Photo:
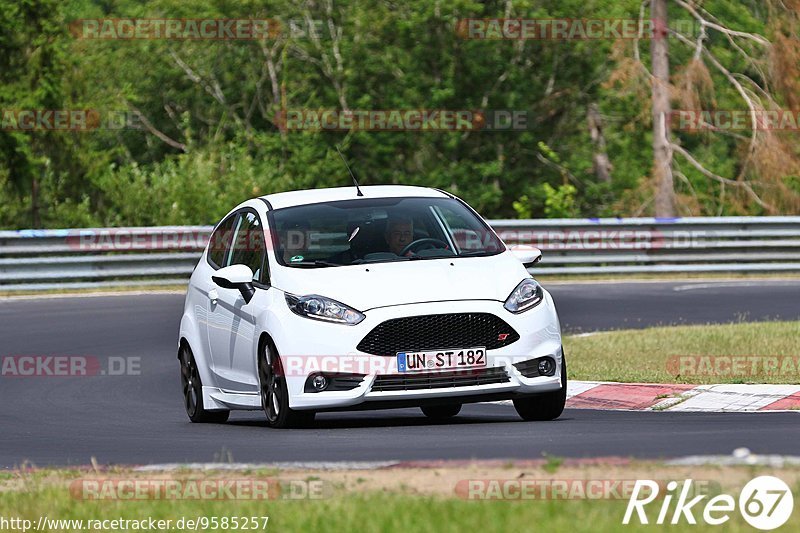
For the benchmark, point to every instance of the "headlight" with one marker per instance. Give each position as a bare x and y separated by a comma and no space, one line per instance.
526,295
321,308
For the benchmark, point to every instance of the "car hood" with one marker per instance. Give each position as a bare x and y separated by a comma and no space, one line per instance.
368,286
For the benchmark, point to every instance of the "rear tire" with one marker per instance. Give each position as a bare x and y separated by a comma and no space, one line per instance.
441,412
548,406
275,393
193,392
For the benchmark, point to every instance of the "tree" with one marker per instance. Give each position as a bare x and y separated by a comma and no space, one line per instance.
754,79
662,150
32,60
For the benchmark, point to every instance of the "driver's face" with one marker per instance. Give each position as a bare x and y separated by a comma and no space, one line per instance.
399,236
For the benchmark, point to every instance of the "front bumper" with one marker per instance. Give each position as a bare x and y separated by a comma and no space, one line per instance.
319,345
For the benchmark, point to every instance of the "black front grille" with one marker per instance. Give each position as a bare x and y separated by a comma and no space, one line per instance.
345,382
438,332
440,380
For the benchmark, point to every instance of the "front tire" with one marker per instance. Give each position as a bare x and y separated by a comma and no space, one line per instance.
441,412
275,393
193,392
548,406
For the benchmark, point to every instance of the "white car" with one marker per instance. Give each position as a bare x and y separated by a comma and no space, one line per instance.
378,297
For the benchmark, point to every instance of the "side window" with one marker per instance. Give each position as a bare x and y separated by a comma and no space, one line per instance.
248,245
220,242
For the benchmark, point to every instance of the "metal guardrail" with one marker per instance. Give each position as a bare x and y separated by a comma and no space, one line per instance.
77,258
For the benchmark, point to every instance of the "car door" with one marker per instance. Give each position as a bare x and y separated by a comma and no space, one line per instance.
231,331
209,320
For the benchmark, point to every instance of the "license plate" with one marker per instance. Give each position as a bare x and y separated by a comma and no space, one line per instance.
441,360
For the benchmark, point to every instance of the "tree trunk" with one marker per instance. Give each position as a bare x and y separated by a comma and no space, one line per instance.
35,218
600,162
662,156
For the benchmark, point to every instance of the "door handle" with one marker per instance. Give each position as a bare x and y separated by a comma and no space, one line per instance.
213,295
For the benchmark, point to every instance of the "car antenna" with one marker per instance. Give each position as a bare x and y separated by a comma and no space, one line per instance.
355,181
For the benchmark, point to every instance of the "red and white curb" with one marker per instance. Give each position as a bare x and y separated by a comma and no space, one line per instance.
675,397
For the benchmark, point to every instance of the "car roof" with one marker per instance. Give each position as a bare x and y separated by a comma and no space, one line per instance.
313,196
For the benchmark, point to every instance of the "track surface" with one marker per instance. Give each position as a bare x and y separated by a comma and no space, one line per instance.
140,419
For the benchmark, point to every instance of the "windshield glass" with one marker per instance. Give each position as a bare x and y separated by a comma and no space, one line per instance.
352,232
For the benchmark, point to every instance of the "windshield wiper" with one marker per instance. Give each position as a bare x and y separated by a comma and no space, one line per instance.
317,263
395,259
423,257
475,253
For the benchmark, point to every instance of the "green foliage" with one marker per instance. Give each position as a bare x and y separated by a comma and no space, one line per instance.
560,202
523,207
217,102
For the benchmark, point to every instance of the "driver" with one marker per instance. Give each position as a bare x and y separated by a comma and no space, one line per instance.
399,233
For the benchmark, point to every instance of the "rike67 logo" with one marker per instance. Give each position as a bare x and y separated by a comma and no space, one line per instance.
765,503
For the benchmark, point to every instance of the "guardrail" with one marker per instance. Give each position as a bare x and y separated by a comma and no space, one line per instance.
77,258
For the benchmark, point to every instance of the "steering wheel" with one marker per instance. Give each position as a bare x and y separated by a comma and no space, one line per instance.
412,246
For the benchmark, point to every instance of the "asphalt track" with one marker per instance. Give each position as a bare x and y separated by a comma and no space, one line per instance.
139,419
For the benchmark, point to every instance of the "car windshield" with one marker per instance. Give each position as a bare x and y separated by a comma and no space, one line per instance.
379,230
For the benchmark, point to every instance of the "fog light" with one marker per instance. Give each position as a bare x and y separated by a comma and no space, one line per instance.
547,366
319,382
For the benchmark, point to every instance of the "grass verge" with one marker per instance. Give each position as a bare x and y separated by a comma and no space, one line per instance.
758,352
110,290
386,500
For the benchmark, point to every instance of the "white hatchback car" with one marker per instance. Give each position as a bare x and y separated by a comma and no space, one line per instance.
343,299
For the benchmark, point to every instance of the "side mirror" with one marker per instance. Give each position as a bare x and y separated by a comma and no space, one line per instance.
528,255
236,277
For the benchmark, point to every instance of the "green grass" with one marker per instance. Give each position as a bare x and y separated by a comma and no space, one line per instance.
68,291
651,355
369,512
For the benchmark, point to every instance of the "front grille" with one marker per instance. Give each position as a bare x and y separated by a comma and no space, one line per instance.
345,382
440,380
438,332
